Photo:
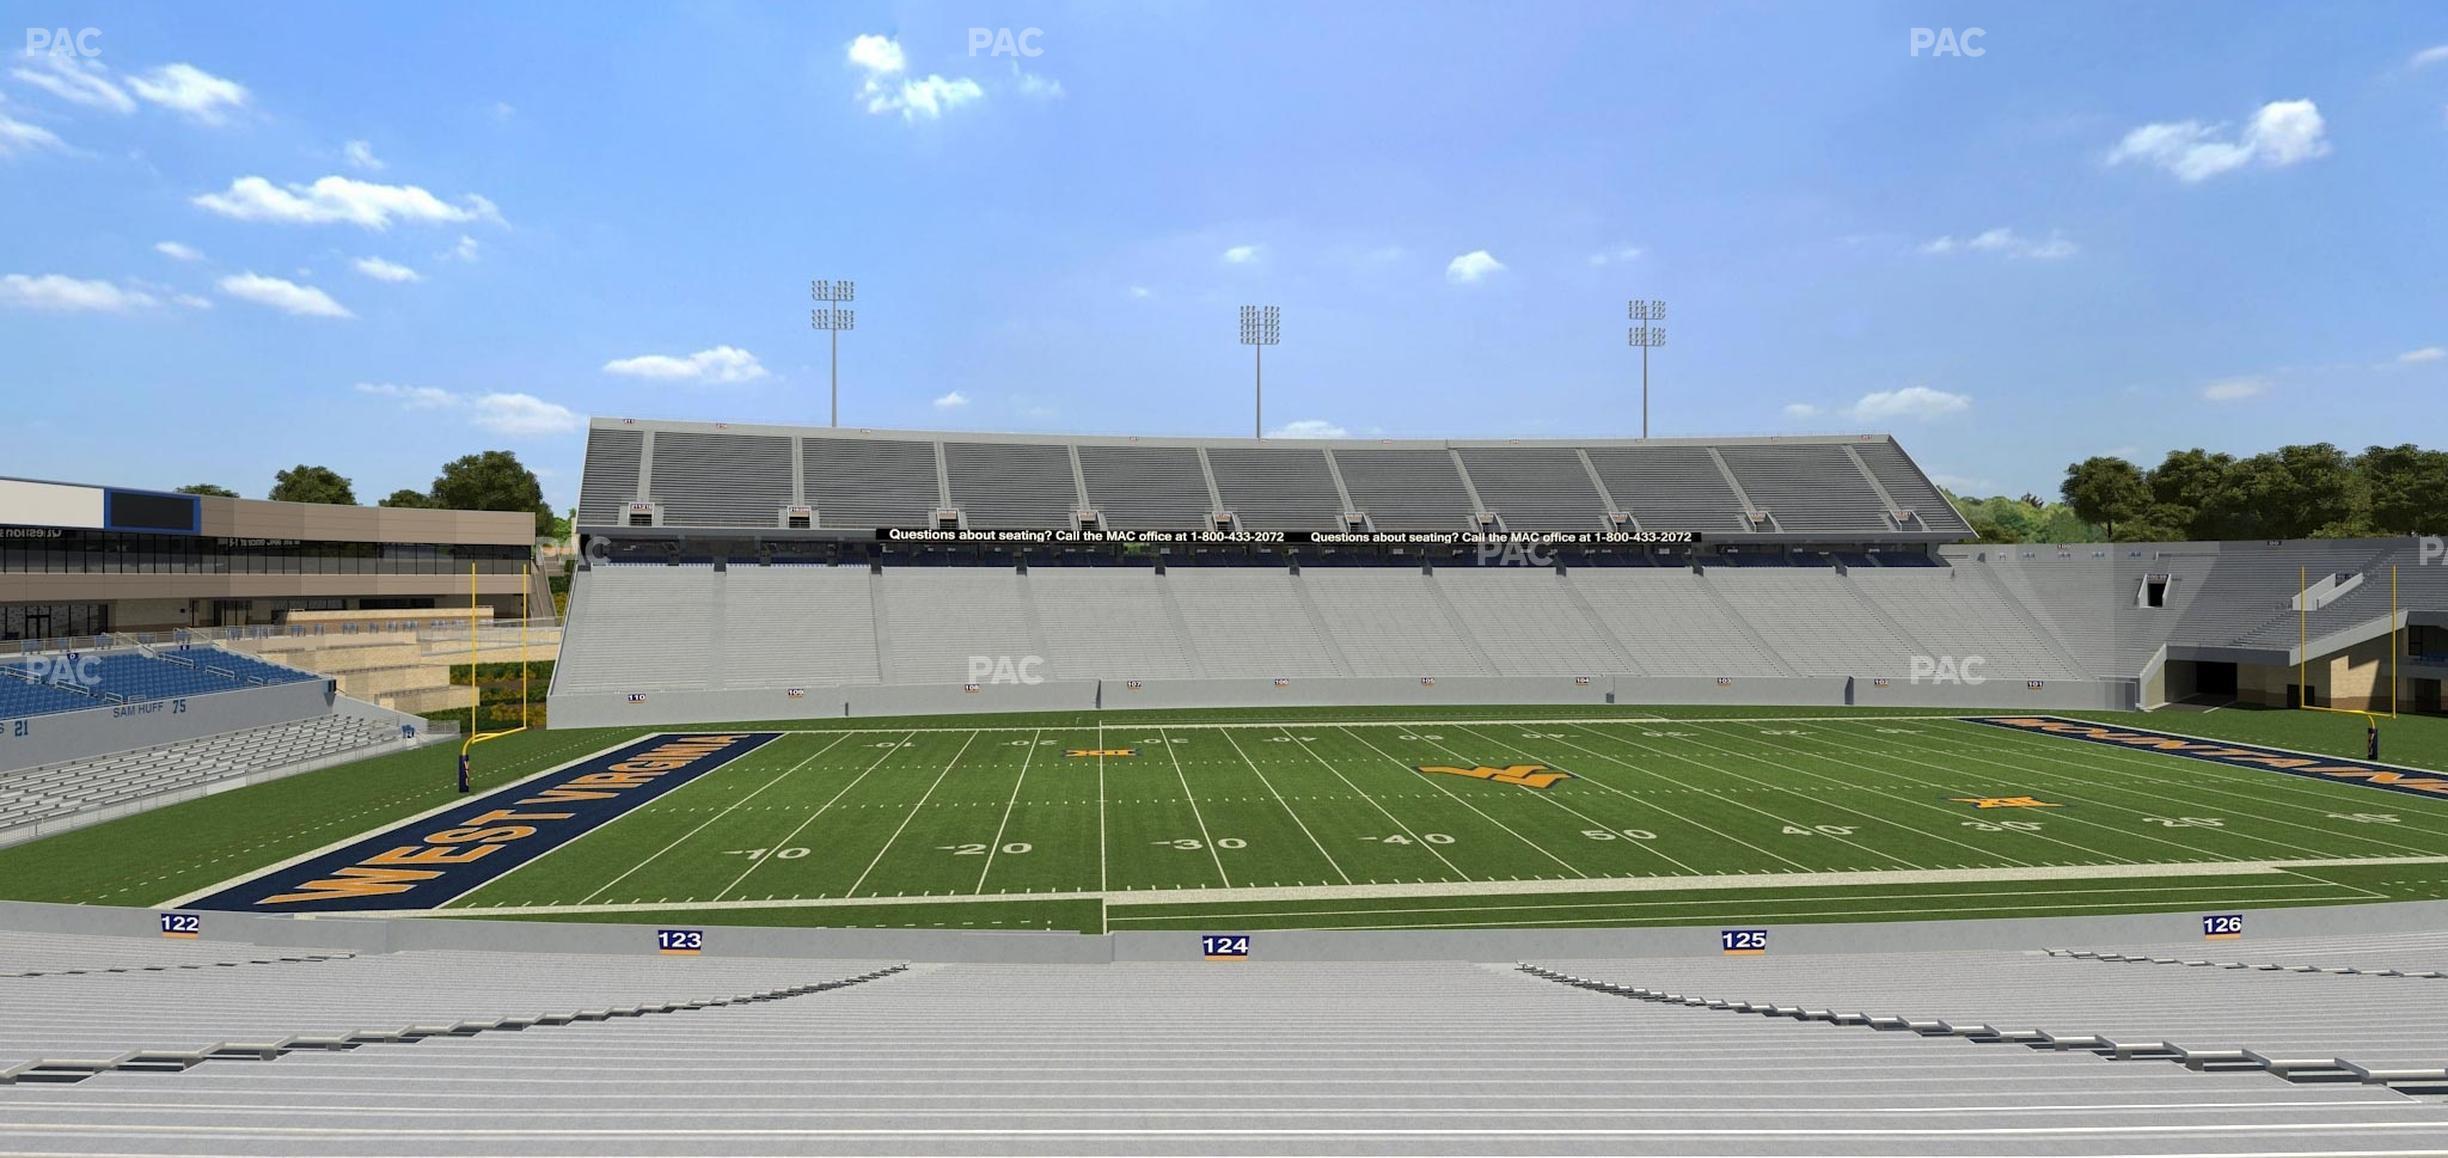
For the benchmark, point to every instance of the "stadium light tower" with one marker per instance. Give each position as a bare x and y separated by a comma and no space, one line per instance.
832,318
1647,337
1261,327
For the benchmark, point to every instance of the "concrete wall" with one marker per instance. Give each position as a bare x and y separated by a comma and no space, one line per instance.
2004,694
126,727
388,935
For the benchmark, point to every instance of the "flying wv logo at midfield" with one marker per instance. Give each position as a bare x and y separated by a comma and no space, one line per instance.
1526,775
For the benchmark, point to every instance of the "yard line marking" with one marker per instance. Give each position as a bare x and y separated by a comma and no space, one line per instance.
913,815
889,753
1952,814
1195,814
1373,802
1542,849
1645,803
1647,846
1907,829
1287,806
1613,759
997,846
717,816
2103,804
2264,788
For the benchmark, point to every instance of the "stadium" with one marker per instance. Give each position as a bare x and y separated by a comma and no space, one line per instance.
1984,700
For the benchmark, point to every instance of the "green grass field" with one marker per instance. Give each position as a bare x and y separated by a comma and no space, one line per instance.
1323,819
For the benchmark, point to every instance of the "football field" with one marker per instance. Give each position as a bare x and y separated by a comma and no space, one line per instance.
1468,823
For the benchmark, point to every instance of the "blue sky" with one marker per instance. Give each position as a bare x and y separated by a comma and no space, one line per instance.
378,237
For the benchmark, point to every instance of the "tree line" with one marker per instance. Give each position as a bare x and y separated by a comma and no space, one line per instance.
2305,491
493,480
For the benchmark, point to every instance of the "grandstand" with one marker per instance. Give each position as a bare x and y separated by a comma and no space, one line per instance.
1421,1055
882,566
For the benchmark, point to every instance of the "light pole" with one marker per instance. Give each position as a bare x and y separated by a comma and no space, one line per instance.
1648,338
1261,327
833,319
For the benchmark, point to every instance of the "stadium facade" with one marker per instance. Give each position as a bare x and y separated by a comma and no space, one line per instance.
80,561
759,572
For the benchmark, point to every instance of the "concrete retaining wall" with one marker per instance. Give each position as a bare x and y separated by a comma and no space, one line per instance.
60,736
367,935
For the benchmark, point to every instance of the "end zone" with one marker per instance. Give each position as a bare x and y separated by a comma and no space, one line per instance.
2390,777
426,861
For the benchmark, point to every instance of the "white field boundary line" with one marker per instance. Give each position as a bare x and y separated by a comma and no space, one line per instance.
399,821
1129,898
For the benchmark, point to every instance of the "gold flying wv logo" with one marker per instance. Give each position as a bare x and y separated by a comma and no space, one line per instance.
1526,775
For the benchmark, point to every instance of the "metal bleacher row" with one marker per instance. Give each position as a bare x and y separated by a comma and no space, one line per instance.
637,627
709,475
1126,1058
51,791
70,682
2371,1016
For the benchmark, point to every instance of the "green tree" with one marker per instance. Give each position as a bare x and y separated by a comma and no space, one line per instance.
492,481
212,489
406,497
2106,490
2206,485
312,484
2294,492
2405,489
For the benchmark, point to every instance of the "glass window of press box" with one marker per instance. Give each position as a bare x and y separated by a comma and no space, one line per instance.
56,552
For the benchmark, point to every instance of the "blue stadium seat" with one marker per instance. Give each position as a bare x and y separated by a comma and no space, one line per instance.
33,688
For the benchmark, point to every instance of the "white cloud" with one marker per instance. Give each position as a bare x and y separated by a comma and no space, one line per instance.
1616,256
1040,87
1309,428
380,270
877,54
16,137
341,199
285,296
1963,484
1800,410
412,397
2418,357
1471,267
190,91
2282,133
360,154
510,414
63,294
2429,56
192,301
2236,389
720,364
177,251
465,250
77,81
2007,242
1241,255
1142,292
886,90
522,414
1914,402
953,401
